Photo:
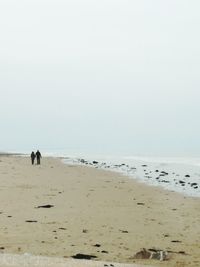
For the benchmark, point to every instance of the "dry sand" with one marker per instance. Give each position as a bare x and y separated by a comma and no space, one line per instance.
92,207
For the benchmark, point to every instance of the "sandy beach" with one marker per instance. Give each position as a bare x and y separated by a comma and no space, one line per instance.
95,212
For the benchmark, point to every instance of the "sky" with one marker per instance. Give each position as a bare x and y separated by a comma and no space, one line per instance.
104,77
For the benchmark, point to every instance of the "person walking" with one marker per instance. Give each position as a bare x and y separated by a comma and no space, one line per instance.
38,157
32,157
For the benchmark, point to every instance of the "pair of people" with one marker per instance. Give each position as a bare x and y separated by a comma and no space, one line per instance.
36,155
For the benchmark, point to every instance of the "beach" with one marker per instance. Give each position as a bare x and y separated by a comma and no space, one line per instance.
60,210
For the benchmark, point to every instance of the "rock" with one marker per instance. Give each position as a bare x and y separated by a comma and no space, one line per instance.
178,252
97,245
124,231
45,206
194,184
84,256
104,251
164,181
187,175
31,221
95,162
182,252
165,173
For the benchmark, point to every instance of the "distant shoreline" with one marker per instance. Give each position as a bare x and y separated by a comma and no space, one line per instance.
181,175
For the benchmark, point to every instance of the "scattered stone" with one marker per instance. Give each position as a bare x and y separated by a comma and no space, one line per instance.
45,206
97,245
31,221
177,252
61,228
176,241
83,161
164,181
182,252
164,173
124,231
187,175
85,231
95,162
104,251
140,204
84,256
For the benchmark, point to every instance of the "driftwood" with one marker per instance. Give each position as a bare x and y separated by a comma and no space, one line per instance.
151,254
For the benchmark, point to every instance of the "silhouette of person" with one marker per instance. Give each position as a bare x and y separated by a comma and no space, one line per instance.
38,157
32,157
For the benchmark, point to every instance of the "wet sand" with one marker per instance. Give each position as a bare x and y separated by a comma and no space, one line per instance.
92,212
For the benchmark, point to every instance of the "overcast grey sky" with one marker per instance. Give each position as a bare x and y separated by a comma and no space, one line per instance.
105,76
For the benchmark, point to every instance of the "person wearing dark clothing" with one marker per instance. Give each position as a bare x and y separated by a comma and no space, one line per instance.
38,157
32,157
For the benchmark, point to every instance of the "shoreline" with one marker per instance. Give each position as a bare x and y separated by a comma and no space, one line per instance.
179,178
89,207
181,175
